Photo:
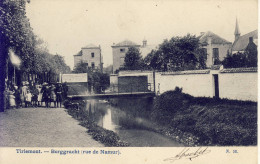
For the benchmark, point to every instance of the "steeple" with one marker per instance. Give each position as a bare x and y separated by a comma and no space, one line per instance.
237,31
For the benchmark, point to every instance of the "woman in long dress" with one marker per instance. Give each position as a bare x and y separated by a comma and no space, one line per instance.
11,99
39,88
45,94
23,92
53,95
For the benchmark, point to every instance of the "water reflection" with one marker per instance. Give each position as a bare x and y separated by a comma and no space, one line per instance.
131,128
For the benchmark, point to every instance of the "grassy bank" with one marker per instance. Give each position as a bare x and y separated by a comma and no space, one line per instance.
77,110
206,121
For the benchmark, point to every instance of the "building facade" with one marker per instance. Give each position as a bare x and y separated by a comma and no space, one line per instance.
215,46
91,55
119,50
242,42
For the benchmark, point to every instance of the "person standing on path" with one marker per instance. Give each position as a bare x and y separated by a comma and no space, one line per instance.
17,97
53,95
39,98
23,92
58,92
28,99
45,94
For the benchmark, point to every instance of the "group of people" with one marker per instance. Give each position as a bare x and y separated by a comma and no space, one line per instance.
34,95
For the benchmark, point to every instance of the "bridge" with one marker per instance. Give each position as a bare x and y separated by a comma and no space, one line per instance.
111,95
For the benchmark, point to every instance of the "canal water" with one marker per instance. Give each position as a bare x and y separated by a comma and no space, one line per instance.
128,119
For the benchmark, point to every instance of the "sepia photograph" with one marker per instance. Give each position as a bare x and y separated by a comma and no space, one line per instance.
153,81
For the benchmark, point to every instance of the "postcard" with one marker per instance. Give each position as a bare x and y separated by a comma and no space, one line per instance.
151,81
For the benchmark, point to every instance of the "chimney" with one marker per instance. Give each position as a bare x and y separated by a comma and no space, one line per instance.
144,43
250,39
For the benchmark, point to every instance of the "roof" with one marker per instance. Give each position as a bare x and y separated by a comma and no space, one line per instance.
91,46
215,38
125,43
79,53
147,49
241,43
239,70
187,72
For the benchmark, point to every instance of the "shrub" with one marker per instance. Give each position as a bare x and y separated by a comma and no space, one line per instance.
169,103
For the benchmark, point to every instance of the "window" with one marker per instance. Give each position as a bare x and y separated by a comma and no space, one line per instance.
93,65
92,54
122,50
215,56
205,52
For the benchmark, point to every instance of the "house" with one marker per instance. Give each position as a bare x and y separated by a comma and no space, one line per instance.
215,46
242,42
90,54
119,50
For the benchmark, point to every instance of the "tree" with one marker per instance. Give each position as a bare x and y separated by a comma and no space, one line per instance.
178,53
82,68
239,60
100,81
108,69
15,33
153,61
236,60
133,59
251,54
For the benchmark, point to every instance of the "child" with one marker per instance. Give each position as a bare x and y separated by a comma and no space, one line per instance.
11,99
28,98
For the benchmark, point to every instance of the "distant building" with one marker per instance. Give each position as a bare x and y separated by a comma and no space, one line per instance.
242,42
215,46
145,49
91,55
119,50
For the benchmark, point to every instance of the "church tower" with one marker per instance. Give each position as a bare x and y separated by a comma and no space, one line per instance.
237,31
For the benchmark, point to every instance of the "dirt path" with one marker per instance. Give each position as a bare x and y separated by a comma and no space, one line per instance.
42,127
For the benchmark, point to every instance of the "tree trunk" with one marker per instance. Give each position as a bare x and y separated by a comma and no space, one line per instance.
3,66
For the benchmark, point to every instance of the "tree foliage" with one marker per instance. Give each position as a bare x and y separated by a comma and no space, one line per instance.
82,67
16,32
100,81
239,59
133,59
176,54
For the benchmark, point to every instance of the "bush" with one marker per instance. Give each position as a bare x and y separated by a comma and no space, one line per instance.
210,121
169,103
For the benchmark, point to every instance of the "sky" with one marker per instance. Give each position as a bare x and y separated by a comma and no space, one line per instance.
68,25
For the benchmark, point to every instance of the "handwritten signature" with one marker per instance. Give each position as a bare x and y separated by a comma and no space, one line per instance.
187,153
